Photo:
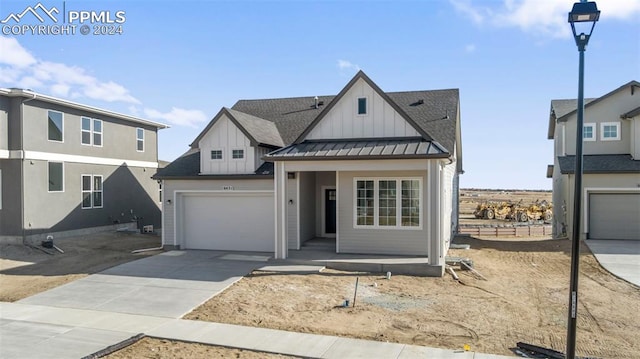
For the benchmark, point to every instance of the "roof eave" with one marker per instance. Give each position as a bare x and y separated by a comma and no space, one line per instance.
351,158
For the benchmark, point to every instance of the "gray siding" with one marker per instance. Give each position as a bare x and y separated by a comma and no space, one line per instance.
307,206
171,186
128,193
11,212
118,136
4,123
378,241
15,125
292,213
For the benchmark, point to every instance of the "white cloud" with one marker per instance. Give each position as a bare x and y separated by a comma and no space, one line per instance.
548,17
21,69
12,54
470,48
347,65
177,116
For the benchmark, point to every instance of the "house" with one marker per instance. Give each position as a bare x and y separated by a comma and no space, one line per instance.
611,164
377,171
68,168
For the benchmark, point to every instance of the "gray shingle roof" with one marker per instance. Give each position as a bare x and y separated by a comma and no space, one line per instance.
562,108
187,166
600,164
293,115
360,149
262,131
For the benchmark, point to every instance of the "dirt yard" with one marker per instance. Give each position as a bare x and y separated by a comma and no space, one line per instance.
25,271
171,349
524,299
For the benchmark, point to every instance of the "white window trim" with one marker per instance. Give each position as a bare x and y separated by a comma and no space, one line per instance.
366,109
376,205
48,191
62,116
216,159
91,190
243,158
593,131
616,124
92,131
140,139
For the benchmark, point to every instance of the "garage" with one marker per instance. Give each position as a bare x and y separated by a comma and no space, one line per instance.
614,216
238,221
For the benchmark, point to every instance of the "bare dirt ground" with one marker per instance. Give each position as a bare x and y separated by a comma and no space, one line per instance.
471,198
171,349
25,271
524,299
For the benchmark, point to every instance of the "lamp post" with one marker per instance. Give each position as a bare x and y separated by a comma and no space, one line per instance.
582,15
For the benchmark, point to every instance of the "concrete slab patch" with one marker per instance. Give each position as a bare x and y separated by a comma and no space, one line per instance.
181,329
292,269
243,257
306,345
80,294
356,348
412,351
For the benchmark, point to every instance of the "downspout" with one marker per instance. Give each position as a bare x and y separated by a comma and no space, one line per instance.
22,158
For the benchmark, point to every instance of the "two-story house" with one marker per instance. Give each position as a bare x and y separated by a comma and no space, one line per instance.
68,168
611,164
376,171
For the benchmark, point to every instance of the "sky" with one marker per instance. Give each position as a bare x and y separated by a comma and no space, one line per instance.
180,62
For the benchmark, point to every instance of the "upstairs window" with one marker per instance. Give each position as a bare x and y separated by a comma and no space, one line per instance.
56,126
237,154
91,131
589,132
610,131
140,139
362,106
216,154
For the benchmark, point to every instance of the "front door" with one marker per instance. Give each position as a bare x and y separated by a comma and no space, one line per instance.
330,211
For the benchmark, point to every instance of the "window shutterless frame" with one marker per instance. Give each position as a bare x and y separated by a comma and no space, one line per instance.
55,126
362,106
237,154
90,131
216,155
589,132
610,131
140,139
394,203
55,176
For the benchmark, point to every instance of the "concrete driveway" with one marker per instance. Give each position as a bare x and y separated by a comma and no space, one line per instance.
620,257
169,285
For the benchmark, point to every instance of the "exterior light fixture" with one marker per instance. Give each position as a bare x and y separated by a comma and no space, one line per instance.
583,18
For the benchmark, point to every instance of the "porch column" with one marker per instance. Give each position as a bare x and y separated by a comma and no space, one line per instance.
280,195
435,213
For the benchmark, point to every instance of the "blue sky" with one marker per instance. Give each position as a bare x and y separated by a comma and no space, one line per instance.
180,62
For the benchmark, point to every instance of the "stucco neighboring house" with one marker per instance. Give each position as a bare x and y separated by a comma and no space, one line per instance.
611,164
68,168
376,171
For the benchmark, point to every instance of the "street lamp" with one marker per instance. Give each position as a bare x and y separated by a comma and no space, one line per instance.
583,16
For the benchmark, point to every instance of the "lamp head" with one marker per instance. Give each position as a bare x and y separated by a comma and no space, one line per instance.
583,18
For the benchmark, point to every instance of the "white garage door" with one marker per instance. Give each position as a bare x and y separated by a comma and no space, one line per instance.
236,222
614,216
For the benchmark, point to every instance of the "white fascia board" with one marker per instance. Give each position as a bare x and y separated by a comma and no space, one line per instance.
78,106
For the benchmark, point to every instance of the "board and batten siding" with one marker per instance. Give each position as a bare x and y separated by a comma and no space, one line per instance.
224,135
379,240
448,199
169,194
381,119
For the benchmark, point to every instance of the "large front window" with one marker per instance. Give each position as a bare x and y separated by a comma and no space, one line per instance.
388,202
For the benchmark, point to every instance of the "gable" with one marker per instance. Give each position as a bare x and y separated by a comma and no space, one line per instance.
225,136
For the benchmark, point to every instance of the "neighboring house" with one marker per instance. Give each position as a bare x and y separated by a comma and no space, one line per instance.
376,171
68,168
611,164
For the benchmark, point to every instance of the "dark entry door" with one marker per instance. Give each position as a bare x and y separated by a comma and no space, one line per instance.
330,211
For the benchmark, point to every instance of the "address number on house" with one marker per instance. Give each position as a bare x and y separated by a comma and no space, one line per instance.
227,188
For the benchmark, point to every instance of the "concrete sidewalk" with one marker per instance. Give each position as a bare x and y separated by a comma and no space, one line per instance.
35,331
620,257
